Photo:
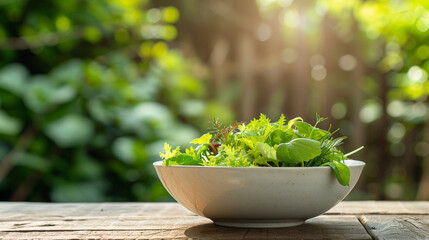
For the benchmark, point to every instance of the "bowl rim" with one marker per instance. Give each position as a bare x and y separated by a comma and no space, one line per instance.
349,163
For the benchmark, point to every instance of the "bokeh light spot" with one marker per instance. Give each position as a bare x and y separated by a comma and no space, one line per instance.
321,8
396,108
146,50
396,132
347,62
170,14
370,112
318,72
418,110
92,34
153,15
159,49
422,24
394,190
291,19
263,32
169,32
62,23
339,110
416,74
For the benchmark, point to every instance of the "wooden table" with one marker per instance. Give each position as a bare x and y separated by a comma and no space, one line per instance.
348,220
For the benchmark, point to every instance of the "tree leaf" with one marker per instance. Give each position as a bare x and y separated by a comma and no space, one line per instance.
147,120
129,150
341,171
69,72
33,161
298,150
9,125
39,94
71,130
13,78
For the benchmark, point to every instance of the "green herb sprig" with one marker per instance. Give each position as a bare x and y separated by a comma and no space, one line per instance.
264,144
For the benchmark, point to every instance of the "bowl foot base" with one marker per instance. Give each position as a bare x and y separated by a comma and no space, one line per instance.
259,223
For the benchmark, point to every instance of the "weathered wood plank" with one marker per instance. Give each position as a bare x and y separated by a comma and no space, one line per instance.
111,223
27,211
23,211
106,235
381,208
323,227
396,226
384,220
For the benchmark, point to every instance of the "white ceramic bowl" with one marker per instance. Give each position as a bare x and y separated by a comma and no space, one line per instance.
256,196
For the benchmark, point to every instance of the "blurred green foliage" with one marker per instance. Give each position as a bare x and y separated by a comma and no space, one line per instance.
389,40
89,92
396,33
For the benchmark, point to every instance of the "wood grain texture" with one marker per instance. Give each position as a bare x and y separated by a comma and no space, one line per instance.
105,235
383,220
22,211
323,227
52,211
380,208
397,226
111,223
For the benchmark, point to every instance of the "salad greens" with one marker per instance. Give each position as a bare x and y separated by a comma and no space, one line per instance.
264,144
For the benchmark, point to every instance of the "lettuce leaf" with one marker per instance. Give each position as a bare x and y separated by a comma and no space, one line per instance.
298,150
